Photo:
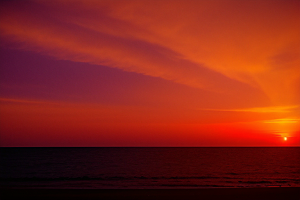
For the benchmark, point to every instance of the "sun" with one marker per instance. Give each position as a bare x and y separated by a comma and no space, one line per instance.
285,138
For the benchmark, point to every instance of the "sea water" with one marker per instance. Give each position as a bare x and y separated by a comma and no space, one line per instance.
149,168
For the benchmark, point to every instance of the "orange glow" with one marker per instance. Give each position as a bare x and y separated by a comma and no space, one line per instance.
171,72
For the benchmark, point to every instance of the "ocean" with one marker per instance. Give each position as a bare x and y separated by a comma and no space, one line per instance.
149,168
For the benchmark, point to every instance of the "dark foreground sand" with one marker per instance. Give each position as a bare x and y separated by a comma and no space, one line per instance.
219,193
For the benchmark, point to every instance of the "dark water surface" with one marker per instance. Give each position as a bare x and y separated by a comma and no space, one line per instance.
149,168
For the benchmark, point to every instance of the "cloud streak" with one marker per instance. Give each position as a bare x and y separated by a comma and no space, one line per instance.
273,109
165,44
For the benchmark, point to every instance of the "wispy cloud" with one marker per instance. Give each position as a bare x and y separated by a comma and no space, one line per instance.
170,45
272,109
77,43
283,121
203,44
23,101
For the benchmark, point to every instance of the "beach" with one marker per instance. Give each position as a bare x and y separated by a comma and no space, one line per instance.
210,193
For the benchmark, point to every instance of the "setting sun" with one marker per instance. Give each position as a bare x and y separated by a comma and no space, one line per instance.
150,73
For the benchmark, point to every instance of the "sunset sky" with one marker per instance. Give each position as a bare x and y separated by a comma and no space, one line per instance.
150,73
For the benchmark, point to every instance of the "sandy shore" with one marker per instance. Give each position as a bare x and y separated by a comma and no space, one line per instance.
219,193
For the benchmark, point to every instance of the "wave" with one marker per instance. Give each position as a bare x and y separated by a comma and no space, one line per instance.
106,178
116,178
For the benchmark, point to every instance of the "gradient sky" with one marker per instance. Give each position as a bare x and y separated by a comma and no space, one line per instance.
150,73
